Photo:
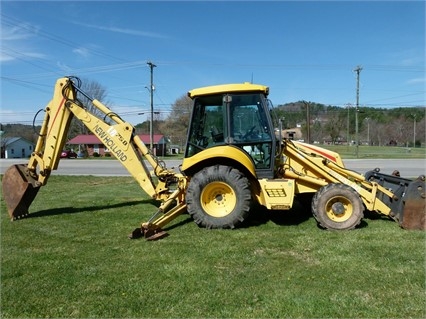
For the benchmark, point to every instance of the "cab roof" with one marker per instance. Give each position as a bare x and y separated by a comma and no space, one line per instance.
228,88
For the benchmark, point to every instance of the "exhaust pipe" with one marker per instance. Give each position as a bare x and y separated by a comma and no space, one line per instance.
19,190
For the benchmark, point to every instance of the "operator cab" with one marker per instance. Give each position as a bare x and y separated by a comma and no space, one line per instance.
235,114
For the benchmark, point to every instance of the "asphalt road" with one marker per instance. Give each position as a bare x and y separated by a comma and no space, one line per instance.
409,168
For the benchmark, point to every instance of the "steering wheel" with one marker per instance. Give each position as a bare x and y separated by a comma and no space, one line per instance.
249,132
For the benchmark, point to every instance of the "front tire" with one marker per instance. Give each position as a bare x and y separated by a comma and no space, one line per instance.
337,207
219,197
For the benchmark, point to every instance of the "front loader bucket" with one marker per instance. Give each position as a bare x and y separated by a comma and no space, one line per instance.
19,190
408,203
414,213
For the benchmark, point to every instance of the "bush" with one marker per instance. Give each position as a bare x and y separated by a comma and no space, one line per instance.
418,144
96,154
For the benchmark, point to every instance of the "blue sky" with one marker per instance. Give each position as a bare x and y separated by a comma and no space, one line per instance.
303,50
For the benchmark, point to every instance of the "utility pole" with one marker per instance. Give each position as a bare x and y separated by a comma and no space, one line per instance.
347,127
357,70
151,92
414,133
308,122
368,130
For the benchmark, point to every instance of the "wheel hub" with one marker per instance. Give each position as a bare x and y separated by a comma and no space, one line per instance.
218,199
338,208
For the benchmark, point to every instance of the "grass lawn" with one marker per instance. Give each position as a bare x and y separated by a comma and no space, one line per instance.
388,152
349,152
72,259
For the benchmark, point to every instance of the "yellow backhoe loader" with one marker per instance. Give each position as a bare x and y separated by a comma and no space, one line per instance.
235,157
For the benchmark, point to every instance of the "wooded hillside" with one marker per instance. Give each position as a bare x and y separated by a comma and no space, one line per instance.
328,124
376,126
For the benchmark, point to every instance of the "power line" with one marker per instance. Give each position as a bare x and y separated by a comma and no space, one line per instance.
64,41
376,67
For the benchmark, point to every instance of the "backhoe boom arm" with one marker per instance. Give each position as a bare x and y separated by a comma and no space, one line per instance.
22,182
119,137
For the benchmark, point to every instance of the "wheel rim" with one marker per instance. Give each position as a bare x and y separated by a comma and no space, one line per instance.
218,199
339,209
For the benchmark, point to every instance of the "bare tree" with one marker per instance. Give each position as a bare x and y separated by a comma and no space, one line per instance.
334,126
95,91
376,133
176,125
317,131
420,131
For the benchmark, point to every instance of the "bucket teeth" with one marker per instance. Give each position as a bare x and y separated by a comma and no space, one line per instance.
19,190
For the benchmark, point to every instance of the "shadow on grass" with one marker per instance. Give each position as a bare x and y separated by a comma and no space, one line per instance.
259,215
298,214
369,215
179,224
77,210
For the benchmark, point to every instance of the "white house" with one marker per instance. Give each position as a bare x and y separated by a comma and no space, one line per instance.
16,147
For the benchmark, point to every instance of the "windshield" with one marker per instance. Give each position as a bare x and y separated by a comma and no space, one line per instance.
247,119
235,119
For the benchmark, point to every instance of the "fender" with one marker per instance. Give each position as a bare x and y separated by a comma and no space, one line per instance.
231,152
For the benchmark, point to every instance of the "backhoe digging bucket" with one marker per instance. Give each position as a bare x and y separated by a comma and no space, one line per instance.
408,204
19,190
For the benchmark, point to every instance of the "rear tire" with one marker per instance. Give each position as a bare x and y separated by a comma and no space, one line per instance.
337,207
218,197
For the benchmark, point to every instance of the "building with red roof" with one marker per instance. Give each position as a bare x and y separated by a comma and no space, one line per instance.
93,146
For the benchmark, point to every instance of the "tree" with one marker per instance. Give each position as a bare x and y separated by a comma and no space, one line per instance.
317,130
95,91
420,131
290,114
27,132
176,124
334,126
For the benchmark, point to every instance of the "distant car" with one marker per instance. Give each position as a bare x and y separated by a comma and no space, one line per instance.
68,154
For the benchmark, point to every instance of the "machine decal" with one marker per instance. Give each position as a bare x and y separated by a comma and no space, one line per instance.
109,142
